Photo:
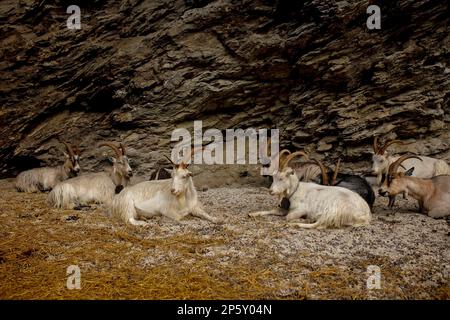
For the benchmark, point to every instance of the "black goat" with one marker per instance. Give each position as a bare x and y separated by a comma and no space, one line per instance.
349,181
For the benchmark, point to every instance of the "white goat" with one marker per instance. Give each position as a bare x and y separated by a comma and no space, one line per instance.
433,194
97,187
45,179
326,206
425,167
174,198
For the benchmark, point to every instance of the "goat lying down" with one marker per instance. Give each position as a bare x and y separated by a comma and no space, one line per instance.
433,194
174,198
326,206
45,179
99,187
424,167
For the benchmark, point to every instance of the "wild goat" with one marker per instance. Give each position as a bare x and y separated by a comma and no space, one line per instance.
45,179
349,181
174,198
326,206
424,167
97,187
433,194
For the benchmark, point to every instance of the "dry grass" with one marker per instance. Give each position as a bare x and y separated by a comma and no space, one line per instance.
242,259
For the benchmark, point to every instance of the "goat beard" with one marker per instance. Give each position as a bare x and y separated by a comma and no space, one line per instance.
181,198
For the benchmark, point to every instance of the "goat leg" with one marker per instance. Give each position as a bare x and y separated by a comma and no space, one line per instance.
275,212
200,213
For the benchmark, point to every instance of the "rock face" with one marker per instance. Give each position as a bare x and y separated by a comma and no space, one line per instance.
137,69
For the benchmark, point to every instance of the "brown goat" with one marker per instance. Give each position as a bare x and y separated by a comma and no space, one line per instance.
433,194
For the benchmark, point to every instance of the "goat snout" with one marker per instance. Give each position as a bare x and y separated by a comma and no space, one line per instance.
382,192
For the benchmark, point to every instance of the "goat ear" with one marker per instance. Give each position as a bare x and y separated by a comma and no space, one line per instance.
65,155
409,172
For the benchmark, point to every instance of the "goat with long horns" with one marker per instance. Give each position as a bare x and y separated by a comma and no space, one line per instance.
425,167
99,187
45,179
174,198
326,206
433,194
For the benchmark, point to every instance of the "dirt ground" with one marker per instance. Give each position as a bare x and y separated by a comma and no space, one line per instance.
244,258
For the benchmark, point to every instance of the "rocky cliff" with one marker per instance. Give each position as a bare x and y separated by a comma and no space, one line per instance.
138,69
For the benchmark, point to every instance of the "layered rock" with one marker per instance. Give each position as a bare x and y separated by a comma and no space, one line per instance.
139,69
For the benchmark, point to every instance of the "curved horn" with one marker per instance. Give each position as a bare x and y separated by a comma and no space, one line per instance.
325,180
112,146
291,156
122,148
333,181
76,150
387,144
169,159
375,145
281,154
394,166
69,149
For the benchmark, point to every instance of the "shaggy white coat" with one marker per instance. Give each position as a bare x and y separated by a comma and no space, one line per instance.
152,198
326,206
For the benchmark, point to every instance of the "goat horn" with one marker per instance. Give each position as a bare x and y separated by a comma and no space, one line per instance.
325,180
333,181
122,148
291,156
76,150
69,149
281,154
383,149
112,146
394,166
169,159
375,145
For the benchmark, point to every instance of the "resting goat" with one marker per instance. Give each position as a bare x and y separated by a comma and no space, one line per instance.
175,198
326,206
433,194
97,187
424,167
349,181
45,179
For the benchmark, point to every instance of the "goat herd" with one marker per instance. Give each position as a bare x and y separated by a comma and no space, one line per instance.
305,189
